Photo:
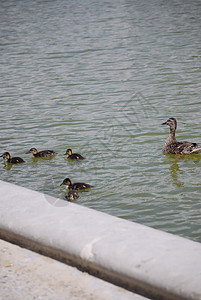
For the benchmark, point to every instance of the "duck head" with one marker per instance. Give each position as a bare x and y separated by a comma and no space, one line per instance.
33,151
172,122
66,182
68,152
6,155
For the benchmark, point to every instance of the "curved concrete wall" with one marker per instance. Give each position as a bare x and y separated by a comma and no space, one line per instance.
152,263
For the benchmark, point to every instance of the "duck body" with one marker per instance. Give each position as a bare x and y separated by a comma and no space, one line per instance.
75,186
12,160
172,146
71,155
72,195
43,153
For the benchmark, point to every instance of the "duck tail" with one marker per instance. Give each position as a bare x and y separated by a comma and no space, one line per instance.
196,149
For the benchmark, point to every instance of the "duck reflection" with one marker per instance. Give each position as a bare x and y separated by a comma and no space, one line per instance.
175,169
7,166
174,172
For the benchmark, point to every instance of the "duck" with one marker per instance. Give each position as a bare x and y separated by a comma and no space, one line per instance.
76,185
43,153
72,155
173,146
72,195
12,160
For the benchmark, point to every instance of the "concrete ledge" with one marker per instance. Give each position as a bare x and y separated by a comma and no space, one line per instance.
149,262
25,274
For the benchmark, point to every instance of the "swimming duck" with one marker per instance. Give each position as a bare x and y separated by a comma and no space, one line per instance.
72,155
12,160
43,153
173,146
72,195
76,185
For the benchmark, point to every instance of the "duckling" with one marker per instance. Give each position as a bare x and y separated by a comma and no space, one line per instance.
12,160
173,146
43,153
76,185
72,155
72,195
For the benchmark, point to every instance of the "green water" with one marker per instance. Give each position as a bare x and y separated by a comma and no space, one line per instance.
100,77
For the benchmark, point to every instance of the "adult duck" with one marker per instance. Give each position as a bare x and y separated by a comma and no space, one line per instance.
173,146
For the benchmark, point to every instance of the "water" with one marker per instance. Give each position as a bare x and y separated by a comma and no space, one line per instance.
100,77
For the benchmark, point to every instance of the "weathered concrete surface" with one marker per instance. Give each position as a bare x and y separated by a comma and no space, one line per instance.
27,275
155,264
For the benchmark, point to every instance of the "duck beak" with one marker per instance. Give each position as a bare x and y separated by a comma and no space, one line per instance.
1,155
27,152
165,123
61,184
